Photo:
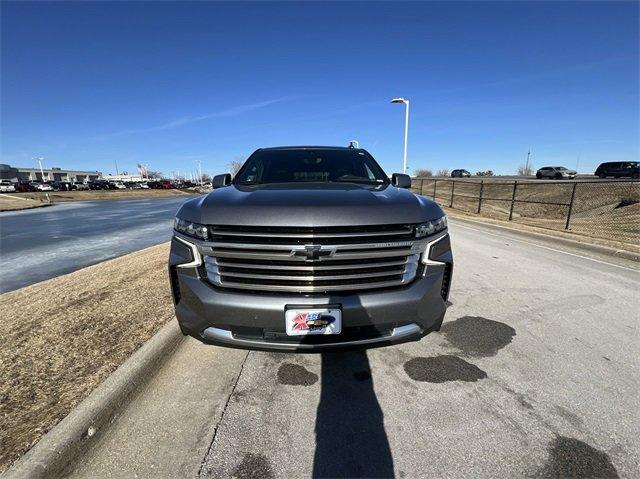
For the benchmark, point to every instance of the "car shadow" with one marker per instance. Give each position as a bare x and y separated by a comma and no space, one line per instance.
350,437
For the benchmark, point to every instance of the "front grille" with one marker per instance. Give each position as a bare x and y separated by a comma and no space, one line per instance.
311,260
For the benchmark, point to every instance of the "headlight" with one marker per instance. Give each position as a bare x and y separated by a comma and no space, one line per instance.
190,229
431,227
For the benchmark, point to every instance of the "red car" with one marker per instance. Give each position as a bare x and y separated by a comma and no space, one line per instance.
24,186
165,185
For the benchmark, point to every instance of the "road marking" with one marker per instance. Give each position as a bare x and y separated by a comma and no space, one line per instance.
546,247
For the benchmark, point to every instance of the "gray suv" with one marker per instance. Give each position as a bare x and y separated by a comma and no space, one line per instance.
310,249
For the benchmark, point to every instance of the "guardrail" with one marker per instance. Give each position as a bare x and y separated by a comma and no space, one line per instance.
603,209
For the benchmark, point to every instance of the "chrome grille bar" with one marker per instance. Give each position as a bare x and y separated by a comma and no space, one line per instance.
381,258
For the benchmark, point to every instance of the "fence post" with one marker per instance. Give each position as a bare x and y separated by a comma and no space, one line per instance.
573,195
421,187
480,197
453,187
435,187
513,199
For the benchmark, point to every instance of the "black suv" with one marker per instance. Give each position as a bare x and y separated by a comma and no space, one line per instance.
618,169
460,174
310,249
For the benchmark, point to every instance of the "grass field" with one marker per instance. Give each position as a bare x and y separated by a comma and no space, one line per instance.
18,201
605,210
61,338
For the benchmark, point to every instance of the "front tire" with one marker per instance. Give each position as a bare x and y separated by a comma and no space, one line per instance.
602,176
539,176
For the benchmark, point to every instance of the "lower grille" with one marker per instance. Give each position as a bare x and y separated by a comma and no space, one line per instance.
385,257
175,284
446,281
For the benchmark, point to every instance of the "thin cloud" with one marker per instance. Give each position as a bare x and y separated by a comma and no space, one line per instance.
237,110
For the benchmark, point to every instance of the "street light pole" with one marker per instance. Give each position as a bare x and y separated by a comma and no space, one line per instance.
199,171
406,130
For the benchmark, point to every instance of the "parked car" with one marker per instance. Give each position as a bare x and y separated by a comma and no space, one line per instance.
144,185
40,186
117,185
101,185
24,186
165,185
6,186
61,185
154,185
310,249
556,172
79,185
460,174
619,169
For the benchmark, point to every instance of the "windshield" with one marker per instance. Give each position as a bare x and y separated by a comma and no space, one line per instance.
309,165
560,168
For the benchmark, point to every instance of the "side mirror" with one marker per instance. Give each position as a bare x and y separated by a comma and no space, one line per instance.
220,181
401,180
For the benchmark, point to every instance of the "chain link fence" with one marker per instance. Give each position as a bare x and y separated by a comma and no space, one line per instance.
601,209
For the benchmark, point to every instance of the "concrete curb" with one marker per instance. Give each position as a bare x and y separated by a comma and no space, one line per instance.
55,453
600,249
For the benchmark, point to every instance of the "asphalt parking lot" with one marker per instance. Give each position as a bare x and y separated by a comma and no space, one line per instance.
46,242
533,374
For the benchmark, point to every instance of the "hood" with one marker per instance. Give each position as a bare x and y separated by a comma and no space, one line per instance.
312,204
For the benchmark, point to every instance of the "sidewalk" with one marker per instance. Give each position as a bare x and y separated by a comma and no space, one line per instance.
168,427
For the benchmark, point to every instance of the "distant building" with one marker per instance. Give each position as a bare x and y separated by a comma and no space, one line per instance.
135,178
17,173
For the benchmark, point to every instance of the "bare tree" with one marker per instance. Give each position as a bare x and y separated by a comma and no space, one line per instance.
154,174
525,170
234,166
423,173
443,172
484,173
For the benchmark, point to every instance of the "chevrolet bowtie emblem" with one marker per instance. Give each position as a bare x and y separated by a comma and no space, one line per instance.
313,252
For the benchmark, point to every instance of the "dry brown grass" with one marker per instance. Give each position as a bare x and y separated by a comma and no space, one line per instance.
95,195
11,201
604,210
61,338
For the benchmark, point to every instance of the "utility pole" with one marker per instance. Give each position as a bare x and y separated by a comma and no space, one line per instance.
526,165
116,162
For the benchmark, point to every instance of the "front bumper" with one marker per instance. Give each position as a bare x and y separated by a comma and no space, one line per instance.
255,320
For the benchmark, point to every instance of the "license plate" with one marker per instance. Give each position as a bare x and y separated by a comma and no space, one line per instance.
302,322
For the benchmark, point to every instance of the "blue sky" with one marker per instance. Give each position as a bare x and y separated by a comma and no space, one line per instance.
87,84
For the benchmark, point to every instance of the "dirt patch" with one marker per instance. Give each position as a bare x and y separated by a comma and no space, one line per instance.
442,369
61,338
477,336
569,457
296,375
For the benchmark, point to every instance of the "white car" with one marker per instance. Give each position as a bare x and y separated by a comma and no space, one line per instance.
41,186
79,185
144,186
6,186
119,185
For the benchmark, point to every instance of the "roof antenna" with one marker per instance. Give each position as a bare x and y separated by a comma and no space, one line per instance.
354,144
